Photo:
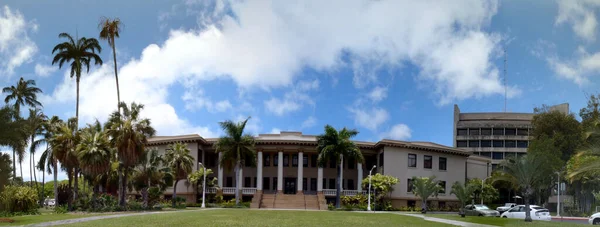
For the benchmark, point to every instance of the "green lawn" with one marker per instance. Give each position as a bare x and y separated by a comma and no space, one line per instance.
503,221
44,217
246,217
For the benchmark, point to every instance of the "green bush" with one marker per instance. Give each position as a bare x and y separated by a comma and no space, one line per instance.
19,199
60,209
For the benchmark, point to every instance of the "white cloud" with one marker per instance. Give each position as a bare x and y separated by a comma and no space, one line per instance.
275,131
292,100
581,16
371,119
578,68
195,99
309,122
378,93
44,70
398,132
16,48
281,106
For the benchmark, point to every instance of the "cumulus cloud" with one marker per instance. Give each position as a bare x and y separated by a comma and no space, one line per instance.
292,100
378,93
398,132
581,16
309,122
576,68
44,70
16,48
371,119
195,99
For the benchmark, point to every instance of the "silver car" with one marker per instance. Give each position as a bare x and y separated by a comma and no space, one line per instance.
480,210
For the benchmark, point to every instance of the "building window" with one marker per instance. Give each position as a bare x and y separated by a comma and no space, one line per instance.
510,131
443,163
473,143
295,160
325,183
313,160
427,161
498,143
247,182
486,154
522,143
508,155
266,184
247,162
255,183
351,163
276,159
462,132
350,184
522,132
267,160
486,143
409,186
313,184
411,203
274,183
442,184
494,167
461,143
498,131
286,160
498,155
381,159
332,184
304,161
473,131
486,131
332,164
229,182
412,160
304,184
510,143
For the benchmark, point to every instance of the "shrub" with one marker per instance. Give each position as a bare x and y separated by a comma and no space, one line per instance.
19,199
60,209
64,194
154,194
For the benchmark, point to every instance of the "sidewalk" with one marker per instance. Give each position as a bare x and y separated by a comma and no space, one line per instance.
439,220
558,218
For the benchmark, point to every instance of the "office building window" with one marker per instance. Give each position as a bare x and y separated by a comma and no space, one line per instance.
427,161
461,143
332,184
442,184
498,143
274,183
522,143
486,131
412,160
276,159
229,182
522,132
409,186
305,161
313,184
486,143
304,184
351,163
473,131
510,131
473,143
313,160
295,160
325,183
498,155
443,163
266,159
266,184
462,132
498,131
286,160
332,164
486,154
510,143
247,182
508,155
350,184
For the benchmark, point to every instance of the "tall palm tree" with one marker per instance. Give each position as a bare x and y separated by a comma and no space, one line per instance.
181,163
524,172
94,153
23,94
425,187
151,170
109,30
35,128
48,161
237,149
590,149
80,53
64,149
129,133
12,132
332,145
463,194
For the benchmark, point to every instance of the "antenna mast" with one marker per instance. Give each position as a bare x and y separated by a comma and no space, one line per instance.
505,80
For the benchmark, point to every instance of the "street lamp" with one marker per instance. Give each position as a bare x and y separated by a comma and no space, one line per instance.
203,184
558,191
369,205
482,182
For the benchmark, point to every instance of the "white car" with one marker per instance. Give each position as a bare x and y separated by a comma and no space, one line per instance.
595,219
50,202
537,213
506,207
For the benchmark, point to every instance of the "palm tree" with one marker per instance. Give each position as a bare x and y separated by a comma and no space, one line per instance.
151,170
524,172
109,30
181,162
332,146
463,194
23,94
94,153
129,133
48,160
590,149
80,53
425,187
35,128
64,144
237,149
12,132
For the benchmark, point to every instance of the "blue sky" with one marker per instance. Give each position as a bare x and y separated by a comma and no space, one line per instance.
391,69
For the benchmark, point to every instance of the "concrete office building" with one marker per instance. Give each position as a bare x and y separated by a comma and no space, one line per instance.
495,135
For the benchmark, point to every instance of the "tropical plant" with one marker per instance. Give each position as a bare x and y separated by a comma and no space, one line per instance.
109,30
489,193
181,162
5,170
129,133
524,173
463,194
237,149
35,129
197,179
80,53
64,144
425,187
94,153
18,199
48,161
382,184
591,150
11,130
151,171
332,145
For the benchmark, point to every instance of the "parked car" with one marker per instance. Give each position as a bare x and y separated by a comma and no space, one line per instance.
595,219
506,207
480,210
537,213
49,202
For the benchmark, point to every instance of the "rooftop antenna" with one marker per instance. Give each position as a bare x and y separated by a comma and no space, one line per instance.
504,80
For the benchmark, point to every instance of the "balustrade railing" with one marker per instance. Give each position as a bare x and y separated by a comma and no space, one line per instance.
228,190
248,191
211,190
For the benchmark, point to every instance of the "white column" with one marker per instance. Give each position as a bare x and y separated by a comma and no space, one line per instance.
320,179
220,174
279,171
259,167
360,176
300,170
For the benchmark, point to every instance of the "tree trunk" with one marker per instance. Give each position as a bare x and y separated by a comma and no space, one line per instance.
75,184
423,206
14,165
174,193
125,180
338,189
30,171
77,104
32,157
94,196
527,209
55,163
121,192
70,198
237,183
42,198
145,197
116,75
21,167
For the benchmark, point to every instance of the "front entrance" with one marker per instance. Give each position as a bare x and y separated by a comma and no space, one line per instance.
289,185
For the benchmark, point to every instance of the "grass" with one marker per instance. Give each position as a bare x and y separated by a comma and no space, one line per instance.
503,221
247,217
44,217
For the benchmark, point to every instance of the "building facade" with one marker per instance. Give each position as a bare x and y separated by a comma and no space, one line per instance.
287,165
495,135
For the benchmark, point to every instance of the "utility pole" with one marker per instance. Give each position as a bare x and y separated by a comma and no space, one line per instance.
558,192
505,80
